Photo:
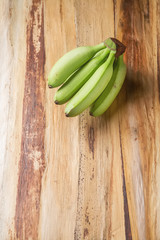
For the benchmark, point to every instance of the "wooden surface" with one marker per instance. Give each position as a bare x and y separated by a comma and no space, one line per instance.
78,178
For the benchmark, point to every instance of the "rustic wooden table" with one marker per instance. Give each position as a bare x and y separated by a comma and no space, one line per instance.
78,178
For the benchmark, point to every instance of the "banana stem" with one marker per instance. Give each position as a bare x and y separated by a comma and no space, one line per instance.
120,47
115,44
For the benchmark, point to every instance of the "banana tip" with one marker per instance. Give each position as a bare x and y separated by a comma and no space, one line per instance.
56,102
50,86
67,115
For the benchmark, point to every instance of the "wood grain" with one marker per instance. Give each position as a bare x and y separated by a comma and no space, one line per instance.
78,178
32,158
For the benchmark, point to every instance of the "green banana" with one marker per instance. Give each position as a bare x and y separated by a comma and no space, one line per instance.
112,89
91,90
77,80
98,53
71,61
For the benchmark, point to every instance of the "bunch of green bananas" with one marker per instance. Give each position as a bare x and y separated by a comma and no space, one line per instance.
92,76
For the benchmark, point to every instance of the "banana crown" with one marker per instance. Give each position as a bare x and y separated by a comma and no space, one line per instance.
110,44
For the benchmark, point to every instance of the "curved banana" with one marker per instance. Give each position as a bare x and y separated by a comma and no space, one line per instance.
98,53
79,78
71,61
112,89
91,90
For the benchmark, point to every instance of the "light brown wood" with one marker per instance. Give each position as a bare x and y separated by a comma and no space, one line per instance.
78,178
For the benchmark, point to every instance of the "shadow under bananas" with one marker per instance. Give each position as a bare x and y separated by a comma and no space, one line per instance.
137,86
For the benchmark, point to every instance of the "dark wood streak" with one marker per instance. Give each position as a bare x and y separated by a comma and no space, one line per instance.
146,14
128,232
110,203
91,140
61,14
60,9
158,50
126,7
144,8
85,234
126,25
32,159
114,12
77,231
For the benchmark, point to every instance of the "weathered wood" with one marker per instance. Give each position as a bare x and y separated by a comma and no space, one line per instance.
83,177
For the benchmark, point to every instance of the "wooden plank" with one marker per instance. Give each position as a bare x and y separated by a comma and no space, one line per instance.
59,184
100,202
138,116
32,156
12,75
